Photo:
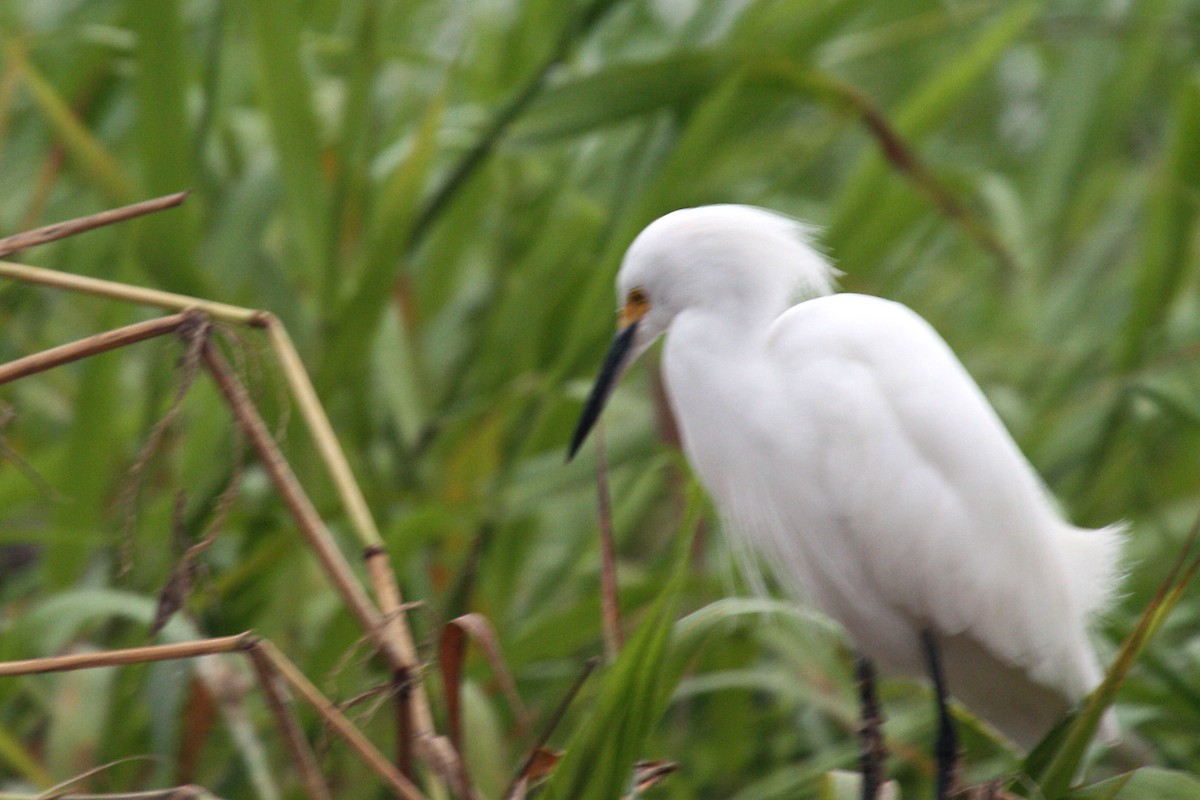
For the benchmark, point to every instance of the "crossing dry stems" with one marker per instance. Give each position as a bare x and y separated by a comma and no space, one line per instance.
197,321
271,666
385,624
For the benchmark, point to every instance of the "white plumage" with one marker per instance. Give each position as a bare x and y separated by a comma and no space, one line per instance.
846,442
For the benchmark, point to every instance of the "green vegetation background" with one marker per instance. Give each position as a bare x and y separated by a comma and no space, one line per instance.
434,196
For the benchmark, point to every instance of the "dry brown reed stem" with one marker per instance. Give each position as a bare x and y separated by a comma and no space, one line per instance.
281,707
132,655
399,649
289,488
98,287
317,535
402,705
383,579
187,792
336,720
400,652
61,230
268,662
414,720
394,638
90,346
610,603
322,431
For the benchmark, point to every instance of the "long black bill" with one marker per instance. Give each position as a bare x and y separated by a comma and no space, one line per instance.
606,381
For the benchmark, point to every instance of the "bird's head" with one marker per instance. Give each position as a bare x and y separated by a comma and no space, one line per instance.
746,263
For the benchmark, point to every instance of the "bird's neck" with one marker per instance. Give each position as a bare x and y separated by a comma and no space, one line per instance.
710,355
716,333
715,371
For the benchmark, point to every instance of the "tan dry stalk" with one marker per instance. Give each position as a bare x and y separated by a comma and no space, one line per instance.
186,792
401,653
336,720
322,431
61,230
379,569
140,295
280,472
90,346
400,650
270,664
321,541
280,703
132,655
394,637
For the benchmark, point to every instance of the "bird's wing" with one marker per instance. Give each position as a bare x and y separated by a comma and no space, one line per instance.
946,517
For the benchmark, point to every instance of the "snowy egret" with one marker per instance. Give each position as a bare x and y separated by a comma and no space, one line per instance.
845,442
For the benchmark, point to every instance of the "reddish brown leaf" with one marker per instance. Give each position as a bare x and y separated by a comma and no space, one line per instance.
451,655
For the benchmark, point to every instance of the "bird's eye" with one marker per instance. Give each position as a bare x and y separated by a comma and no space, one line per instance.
637,303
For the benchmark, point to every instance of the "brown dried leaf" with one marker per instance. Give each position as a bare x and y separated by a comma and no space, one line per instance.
651,773
451,655
542,764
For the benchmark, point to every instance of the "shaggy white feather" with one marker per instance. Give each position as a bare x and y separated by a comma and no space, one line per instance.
848,445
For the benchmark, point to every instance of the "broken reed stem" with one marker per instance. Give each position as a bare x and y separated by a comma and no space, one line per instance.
315,532
396,631
281,707
293,368
395,639
322,432
61,230
336,720
363,524
288,487
186,792
270,664
402,684
130,294
132,655
90,346
400,650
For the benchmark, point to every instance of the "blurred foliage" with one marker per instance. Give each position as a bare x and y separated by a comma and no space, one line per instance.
434,197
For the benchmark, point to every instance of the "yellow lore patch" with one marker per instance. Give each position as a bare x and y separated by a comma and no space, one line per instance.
636,306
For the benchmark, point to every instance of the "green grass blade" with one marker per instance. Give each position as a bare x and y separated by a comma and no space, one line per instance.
168,240
357,133
1174,200
598,763
620,92
22,763
286,95
1063,763
1147,782
1071,116
929,104
388,239
94,471
97,163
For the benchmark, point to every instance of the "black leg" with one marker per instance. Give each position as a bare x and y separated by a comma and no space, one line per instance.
873,753
946,746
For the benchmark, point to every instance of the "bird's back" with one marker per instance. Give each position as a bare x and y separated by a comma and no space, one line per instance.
888,488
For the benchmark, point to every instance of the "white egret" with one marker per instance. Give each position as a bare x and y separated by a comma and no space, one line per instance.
844,440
